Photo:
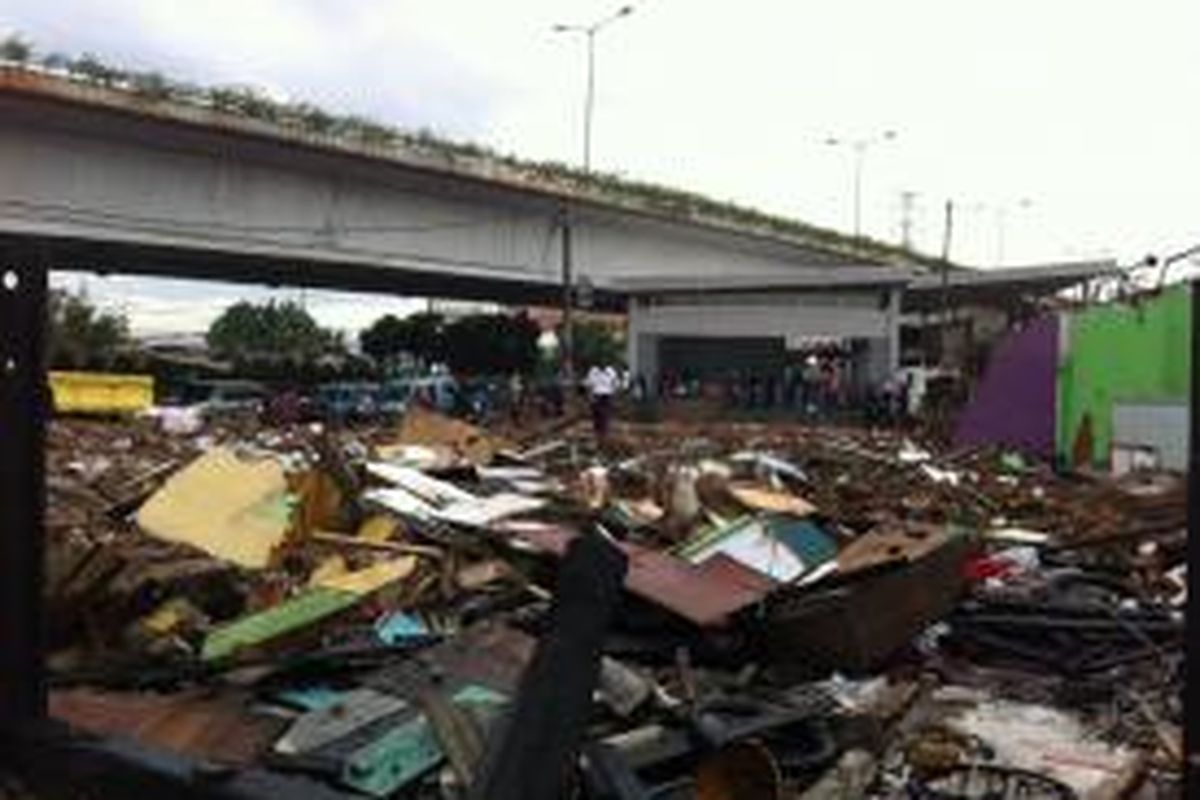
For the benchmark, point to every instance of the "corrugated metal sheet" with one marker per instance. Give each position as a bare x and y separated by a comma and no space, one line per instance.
853,624
706,594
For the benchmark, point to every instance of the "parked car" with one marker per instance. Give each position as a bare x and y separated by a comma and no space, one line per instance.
393,399
348,402
437,391
477,398
222,397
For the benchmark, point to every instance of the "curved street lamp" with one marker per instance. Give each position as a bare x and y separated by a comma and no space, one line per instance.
590,32
859,147
568,281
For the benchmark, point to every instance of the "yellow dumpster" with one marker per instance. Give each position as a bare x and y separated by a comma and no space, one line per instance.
100,392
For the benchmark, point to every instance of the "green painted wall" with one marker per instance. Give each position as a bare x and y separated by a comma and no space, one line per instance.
1121,352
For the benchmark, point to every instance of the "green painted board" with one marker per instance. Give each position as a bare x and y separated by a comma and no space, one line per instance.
1121,352
313,605
410,749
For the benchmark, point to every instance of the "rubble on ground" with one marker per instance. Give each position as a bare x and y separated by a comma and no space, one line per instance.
685,610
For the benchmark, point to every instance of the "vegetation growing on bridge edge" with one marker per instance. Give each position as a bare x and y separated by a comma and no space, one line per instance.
252,103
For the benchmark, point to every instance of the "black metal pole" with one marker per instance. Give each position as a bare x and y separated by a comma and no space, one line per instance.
533,753
1191,690
568,301
23,407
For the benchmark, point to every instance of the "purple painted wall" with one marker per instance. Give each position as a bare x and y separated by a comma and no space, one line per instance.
1014,403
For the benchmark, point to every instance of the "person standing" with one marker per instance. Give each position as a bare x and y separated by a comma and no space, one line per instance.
516,397
602,383
810,386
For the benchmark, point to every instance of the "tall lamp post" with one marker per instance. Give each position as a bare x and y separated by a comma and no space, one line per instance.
859,147
568,288
589,103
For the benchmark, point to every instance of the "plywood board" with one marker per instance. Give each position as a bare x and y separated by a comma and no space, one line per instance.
234,509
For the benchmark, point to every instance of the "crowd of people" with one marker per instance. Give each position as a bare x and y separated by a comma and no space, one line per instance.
814,389
817,389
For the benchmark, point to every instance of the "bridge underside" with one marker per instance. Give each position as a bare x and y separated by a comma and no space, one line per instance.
98,183
132,258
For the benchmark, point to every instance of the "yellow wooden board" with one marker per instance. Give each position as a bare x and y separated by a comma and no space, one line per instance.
234,509
373,578
378,528
100,392
330,568
424,427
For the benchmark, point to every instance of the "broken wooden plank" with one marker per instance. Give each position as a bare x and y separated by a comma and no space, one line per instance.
232,508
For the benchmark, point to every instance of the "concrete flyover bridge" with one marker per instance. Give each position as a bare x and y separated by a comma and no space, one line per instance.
111,180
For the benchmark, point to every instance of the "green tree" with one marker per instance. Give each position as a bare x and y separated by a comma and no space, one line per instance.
152,85
278,331
386,339
92,68
16,49
82,336
492,343
426,336
597,343
519,343
421,336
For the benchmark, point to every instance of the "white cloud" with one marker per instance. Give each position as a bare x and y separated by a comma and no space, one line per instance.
158,305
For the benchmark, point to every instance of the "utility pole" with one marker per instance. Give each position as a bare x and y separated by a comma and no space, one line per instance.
860,151
568,289
907,203
947,232
567,343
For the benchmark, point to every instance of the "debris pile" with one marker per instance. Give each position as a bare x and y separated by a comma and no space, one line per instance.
735,611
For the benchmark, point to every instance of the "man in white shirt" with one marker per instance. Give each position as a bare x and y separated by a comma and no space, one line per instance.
602,383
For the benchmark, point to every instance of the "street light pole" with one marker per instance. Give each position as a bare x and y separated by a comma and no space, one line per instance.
568,274
860,147
860,150
589,100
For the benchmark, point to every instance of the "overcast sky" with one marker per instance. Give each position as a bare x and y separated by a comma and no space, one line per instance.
1087,110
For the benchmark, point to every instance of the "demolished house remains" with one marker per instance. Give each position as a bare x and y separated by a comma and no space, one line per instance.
692,610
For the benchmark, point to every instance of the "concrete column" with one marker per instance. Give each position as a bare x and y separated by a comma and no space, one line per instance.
641,347
647,347
893,330
633,327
